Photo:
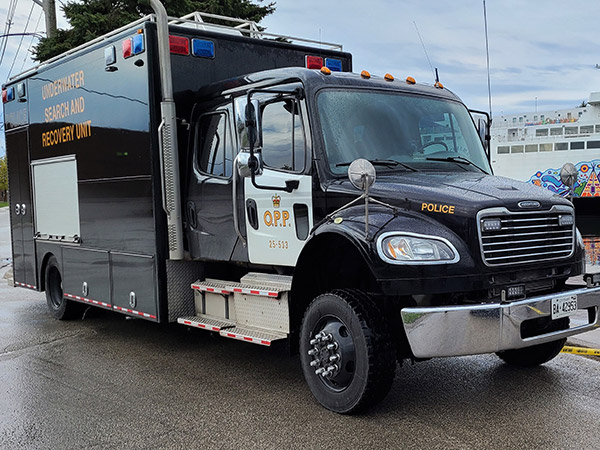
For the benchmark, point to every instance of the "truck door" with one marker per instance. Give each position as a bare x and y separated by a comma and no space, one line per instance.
209,208
21,213
278,222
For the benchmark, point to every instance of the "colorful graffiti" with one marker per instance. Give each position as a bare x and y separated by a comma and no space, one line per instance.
592,250
587,184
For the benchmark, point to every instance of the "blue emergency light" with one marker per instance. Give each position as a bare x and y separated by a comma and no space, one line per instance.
10,94
335,65
137,46
203,48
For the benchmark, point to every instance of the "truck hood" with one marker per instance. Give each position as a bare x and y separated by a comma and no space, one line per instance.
467,192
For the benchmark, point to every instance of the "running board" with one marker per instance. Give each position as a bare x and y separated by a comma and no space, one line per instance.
206,323
253,335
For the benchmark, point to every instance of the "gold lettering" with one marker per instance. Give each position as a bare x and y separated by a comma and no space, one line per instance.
276,217
286,217
451,210
268,218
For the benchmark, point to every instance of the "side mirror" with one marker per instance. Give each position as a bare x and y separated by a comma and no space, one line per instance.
482,128
249,125
246,164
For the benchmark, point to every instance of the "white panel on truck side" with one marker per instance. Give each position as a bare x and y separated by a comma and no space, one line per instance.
55,198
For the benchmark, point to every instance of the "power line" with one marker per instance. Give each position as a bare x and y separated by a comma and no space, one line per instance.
21,40
11,14
31,42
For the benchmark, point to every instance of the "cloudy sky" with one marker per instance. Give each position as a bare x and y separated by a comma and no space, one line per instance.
547,50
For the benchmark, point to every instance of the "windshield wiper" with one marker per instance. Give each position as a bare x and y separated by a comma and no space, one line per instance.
458,160
383,162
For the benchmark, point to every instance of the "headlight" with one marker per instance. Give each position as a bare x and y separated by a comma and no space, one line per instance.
410,248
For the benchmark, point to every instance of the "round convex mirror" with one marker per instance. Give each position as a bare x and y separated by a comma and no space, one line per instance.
362,174
568,174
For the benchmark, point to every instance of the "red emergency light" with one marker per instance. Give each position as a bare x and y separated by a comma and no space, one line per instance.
314,62
126,45
179,45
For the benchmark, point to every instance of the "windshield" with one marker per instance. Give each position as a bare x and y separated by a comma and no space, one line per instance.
389,128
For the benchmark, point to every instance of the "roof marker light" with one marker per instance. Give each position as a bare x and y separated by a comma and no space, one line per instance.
203,48
388,77
126,45
137,44
365,74
313,62
410,80
439,85
335,65
325,70
179,45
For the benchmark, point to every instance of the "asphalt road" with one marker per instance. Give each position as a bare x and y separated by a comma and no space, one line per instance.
110,382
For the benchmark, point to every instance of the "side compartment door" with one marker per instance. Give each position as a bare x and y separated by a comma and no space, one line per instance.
21,211
278,222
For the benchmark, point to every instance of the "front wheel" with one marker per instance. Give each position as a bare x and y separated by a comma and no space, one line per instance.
346,351
534,355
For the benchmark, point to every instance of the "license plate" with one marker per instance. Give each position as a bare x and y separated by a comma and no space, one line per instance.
564,306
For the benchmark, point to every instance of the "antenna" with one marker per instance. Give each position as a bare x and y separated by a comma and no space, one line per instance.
425,50
487,56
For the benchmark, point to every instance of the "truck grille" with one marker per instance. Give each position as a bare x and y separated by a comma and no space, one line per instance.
525,237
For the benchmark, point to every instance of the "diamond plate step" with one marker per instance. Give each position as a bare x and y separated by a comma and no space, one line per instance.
253,284
253,335
206,323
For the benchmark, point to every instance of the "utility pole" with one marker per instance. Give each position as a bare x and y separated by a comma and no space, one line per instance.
49,7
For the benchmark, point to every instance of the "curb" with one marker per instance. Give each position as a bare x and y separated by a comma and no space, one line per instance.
581,351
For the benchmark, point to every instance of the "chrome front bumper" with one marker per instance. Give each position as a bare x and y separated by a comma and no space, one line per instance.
488,328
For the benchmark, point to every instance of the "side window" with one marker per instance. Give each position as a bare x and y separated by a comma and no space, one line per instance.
213,145
282,136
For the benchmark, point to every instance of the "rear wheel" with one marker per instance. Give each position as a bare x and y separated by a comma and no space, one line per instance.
60,307
347,354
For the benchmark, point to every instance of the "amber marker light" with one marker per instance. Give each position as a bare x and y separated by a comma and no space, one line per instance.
325,70
439,85
410,80
365,74
140,31
388,77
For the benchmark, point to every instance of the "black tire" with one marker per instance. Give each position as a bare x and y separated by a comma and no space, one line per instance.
367,358
60,307
541,353
534,355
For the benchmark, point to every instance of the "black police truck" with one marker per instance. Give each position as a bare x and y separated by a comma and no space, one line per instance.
254,187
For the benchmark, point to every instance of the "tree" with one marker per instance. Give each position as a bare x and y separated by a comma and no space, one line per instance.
3,178
92,18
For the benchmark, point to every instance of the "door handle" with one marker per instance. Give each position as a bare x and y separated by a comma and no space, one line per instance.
252,213
18,209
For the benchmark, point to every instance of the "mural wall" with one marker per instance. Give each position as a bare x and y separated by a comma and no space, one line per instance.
587,184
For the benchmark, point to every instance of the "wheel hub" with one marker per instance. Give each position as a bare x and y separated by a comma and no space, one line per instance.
332,353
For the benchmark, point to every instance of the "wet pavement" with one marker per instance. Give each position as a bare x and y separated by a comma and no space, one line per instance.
111,382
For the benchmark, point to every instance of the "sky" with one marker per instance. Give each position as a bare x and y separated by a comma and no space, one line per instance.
541,53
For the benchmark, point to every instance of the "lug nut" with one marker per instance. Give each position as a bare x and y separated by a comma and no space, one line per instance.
314,363
333,346
334,358
319,371
312,352
327,338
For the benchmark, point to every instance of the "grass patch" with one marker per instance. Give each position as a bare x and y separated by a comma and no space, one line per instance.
3,204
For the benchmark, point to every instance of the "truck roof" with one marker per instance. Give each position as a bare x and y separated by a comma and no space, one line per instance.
316,77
